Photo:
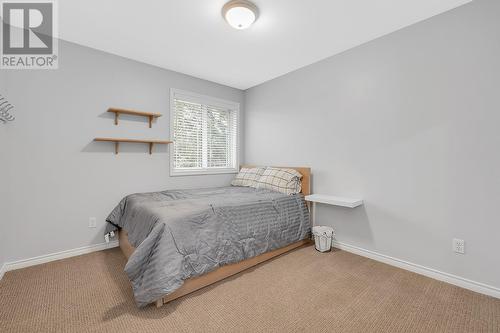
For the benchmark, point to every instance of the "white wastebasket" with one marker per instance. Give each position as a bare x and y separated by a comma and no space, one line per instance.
323,238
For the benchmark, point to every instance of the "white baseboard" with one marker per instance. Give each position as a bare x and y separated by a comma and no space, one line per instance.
10,266
3,269
419,269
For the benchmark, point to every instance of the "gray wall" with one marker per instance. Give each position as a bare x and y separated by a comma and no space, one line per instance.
57,176
408,122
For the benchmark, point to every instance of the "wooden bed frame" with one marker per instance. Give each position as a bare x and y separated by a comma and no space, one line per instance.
193,284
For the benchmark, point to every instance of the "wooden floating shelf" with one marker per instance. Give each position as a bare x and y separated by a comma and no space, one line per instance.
149,115
117,142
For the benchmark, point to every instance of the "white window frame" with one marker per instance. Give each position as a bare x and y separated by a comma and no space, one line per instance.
206,100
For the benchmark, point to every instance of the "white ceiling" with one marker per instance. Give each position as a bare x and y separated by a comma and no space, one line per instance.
191,37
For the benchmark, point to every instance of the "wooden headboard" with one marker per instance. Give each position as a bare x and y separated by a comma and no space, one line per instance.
305,172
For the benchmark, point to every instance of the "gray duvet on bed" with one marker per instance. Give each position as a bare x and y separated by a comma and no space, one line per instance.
181,234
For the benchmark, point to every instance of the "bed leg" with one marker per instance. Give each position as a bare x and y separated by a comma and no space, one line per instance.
159,303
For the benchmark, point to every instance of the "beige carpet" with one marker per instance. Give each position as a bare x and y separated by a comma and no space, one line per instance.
301,291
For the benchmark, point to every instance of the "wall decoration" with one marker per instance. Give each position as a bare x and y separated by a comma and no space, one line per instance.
5,109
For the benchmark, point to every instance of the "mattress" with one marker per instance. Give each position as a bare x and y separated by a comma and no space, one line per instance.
180,234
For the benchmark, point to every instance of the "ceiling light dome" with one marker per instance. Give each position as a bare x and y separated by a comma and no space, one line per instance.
240,14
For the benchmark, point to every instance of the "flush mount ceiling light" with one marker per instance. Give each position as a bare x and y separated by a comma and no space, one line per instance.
240,14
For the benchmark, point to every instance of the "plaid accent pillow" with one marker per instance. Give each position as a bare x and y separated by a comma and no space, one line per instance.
247,177
281,180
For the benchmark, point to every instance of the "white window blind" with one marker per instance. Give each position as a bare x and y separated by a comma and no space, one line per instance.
204,135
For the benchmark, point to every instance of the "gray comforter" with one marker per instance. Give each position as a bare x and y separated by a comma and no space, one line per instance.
185,233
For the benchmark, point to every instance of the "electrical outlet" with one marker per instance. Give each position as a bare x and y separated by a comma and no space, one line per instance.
92,222
459,245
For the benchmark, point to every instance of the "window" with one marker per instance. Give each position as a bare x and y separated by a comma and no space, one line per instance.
205,134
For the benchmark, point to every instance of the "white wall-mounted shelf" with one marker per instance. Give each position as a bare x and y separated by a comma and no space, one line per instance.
330,200
334,200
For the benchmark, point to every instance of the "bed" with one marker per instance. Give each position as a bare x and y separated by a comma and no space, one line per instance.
179,241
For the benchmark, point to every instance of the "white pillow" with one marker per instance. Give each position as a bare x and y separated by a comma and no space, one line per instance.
281,180
247,177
